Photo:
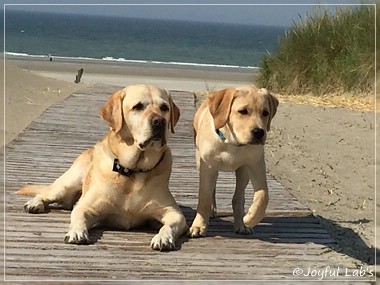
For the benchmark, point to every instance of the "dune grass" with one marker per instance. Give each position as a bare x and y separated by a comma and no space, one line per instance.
325,53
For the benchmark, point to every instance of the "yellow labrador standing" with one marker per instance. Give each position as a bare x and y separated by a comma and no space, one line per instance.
230,131
123,180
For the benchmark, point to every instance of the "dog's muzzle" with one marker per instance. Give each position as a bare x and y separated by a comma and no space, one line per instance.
159,126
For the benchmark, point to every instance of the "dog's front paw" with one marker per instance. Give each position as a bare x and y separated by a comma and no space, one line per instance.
162,242
77,237
34,206
196,232
243,230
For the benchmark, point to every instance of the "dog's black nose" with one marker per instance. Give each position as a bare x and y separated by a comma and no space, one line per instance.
258,133
158,121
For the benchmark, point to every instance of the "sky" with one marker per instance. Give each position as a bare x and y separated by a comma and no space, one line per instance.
250,12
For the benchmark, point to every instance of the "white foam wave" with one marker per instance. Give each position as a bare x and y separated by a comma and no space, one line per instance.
112,59
24,54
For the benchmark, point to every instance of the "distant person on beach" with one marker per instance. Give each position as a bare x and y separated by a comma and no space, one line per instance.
50,57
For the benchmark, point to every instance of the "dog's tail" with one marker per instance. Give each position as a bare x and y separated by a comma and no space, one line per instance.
257,211
33,190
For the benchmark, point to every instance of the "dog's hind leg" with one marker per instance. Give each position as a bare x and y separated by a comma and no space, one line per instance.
64,191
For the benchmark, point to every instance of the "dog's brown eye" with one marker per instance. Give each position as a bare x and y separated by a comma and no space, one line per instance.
265,113
164,108
138,107
243,111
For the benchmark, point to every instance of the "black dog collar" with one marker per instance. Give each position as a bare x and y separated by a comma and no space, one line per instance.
117,167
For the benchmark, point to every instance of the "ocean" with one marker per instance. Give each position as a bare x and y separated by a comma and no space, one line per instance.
138,40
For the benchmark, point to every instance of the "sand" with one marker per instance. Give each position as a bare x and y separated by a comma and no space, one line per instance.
185,78
27,95
325,156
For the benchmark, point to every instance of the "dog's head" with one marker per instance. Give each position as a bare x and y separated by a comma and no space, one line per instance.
141,113
244,112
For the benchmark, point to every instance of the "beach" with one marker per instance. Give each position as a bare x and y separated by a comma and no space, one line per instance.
324,156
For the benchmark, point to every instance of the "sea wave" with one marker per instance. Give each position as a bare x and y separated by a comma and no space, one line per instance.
132,61
23,54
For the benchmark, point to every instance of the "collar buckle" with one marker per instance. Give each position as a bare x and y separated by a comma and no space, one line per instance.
117,167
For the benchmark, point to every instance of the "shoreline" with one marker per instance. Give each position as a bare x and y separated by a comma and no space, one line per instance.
190,70
134,62
172,77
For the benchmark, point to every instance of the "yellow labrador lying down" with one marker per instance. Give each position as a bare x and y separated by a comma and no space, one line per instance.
230,131
123,180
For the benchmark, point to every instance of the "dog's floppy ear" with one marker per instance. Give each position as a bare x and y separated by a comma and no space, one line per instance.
273,103
174,113
219,104
112,111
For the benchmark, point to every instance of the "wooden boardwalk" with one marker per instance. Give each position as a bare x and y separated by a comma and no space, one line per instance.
287,238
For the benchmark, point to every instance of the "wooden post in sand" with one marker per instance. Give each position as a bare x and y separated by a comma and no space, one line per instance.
79,76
